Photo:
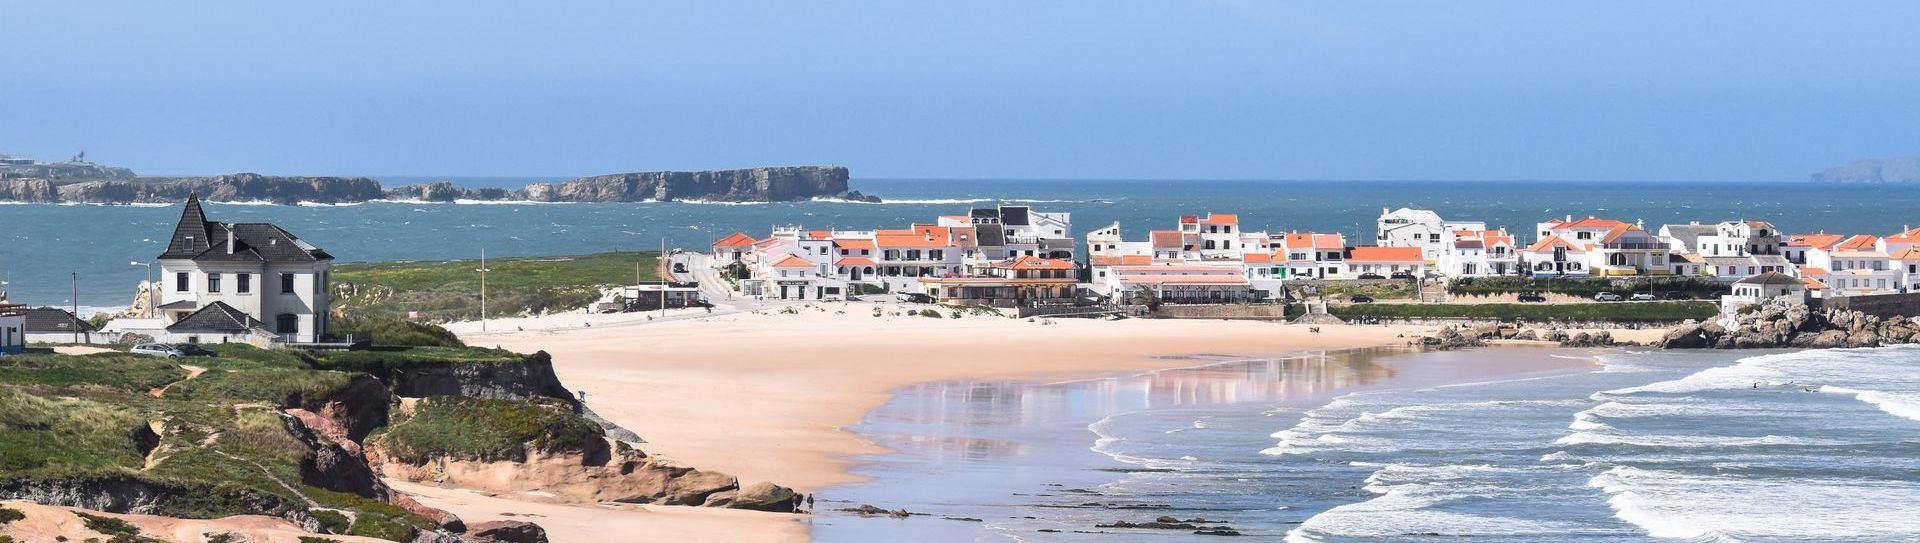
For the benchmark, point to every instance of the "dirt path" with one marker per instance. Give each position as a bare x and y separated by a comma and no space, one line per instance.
192,372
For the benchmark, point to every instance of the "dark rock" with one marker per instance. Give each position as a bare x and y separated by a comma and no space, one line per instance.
507,531
760,497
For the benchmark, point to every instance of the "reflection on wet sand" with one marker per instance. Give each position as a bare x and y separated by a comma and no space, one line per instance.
960,419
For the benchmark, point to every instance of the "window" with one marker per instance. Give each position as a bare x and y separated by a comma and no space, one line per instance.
243,283
286,323
180,283
286,283
213,283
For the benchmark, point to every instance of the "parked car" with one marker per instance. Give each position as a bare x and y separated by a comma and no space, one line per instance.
1643,297
195,350
157,349
1532,297
1607,297
1677,295
1402,275
1372,276
679,267
1360,299
913,298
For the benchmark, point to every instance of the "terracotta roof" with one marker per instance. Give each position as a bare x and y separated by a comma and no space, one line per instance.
1167,239
1760,224
1813,271
1468,243
1817,241
1907,236
736,240
1257,258
1385,254
1861,241
854,261
1120,260
1220,218
1037,263
1550,242
1813,284
1692,258
920,235
1302,240
853,243
1591,222
793,261
1619,231
1912,253
818,235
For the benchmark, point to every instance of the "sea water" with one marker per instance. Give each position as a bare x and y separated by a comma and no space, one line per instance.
41,245
1645,446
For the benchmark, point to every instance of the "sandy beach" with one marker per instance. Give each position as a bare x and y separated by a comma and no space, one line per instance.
765,395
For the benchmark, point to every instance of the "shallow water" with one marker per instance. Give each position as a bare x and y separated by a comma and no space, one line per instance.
1804,446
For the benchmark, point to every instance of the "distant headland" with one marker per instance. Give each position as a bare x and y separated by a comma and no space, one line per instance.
1904,169
78,181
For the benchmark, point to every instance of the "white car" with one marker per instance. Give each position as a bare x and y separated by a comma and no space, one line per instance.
1606,297
157,349
1643,297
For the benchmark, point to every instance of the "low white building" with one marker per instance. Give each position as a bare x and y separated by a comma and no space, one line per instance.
1385,263
13,328
1762,288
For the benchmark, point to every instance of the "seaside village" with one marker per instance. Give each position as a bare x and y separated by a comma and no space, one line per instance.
258,283
1020,258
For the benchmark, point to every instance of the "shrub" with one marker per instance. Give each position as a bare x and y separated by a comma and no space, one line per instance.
390,330
10,515
487,430
332,521
108,525
1608,312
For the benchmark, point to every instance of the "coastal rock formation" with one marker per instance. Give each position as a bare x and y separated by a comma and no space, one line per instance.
1777,325
507,531
1889,170
598,473
531,377
773,184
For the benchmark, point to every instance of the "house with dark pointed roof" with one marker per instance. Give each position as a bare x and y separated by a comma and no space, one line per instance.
225,281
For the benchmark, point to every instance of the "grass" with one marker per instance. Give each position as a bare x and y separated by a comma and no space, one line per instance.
7,516
486,430
390,330
381,360
112,370
1379,291
54,436
444,291
1609,312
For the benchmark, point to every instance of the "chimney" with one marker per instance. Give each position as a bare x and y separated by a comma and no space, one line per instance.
229,240
1569,218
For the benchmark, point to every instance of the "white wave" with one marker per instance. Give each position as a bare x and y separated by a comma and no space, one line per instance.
104,204
1598,438
1899,405
934,201
1671,504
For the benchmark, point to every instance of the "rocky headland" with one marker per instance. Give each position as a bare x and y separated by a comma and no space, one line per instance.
1780,325
1873,170
770,184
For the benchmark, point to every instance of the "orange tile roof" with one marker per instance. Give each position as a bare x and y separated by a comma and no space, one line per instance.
854,261
736,240
1221,218
793,261
1813,284
818,235
1591,222
1813,271
1257,258
1912,253
920,235
1167,239
1037,263
1553,241
1859,242
1120,260
1907,236
853,243
1817,241
1385,254
1303,240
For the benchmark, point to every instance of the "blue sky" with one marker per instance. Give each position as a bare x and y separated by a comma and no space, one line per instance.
1698,90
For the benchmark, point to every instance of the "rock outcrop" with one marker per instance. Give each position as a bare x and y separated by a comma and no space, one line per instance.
1780,325
1890,170
531,377
772,184
507,531
618,473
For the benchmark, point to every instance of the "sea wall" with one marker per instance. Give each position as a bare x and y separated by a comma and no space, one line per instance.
1221,311
1882,305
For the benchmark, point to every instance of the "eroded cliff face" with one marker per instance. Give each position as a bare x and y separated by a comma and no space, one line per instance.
618,473
773,184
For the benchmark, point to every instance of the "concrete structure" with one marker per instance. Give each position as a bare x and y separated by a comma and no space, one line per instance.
1420,228
1385,262
1764,287
56,325
13,328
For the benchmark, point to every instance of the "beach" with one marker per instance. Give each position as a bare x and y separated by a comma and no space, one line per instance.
767,394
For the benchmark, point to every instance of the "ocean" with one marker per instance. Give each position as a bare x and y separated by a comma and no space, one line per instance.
1376,446
41,245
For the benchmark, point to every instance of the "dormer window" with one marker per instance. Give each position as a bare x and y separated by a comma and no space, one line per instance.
189,242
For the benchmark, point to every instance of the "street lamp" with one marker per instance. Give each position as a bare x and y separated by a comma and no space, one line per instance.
483,289
151,287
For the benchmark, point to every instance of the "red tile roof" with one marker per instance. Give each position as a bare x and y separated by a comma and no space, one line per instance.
1860,242
1591,222
1303,240
1167,239
793,261
1906,237
1816,241
1386,254
854,261
853,243
1220,218
1554,241
736,240
920,235
1037,263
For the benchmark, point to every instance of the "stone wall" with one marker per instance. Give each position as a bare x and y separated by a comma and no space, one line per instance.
1881,305
1222,311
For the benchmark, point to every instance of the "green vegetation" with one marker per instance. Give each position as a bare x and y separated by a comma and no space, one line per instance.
450,290
1396,290
389,330
486,429
1611,312
111,370
107,525
7,516
381,360
332,521
1586,287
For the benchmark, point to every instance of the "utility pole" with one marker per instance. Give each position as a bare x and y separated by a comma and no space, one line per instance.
663,278
483,289
76,307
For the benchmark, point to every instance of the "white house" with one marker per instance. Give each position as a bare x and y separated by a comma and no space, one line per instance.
1406,227
1385,262
1314,256
1554,256
1763,287
1479,253
250,282
13,328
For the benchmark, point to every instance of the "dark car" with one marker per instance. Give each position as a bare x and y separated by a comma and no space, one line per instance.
1677,295
1371,276
679,267
1360,299
1402,275
1532,297
190,349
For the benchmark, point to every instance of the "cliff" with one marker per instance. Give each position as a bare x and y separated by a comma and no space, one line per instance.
774,184
1777,325
1889,170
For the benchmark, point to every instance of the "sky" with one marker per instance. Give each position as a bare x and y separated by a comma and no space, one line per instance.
1063,89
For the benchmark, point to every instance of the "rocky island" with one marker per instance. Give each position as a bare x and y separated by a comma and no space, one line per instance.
79,182
1875,170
